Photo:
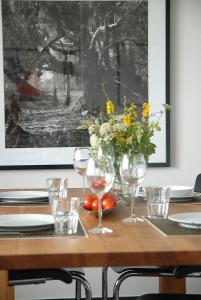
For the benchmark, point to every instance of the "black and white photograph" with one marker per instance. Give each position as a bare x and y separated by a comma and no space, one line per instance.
62,60
57,58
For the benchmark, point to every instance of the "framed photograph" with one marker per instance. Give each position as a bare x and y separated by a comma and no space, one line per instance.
61,59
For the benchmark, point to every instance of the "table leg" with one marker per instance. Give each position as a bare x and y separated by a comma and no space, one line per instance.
11,293
172,285
3,285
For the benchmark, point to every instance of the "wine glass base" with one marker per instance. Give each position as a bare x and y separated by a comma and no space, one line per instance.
100,230
132,219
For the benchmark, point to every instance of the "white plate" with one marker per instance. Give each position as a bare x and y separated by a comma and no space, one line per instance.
25,201
180,191
177,199
190,226
187,198
23,221
192,218
23,195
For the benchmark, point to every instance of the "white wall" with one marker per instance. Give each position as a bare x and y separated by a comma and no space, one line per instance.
185,140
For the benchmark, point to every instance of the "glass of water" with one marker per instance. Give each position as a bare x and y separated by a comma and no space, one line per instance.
57,187
66,214
158,199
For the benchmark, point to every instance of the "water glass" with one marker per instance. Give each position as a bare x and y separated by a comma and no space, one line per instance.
158,199
57,187
66,214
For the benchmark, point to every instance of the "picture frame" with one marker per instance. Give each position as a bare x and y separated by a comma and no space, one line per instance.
158,94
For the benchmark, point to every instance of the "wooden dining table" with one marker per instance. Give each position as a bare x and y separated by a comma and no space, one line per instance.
138,244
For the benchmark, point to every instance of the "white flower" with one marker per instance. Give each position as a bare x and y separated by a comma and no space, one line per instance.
105,129
93,129
119,127
94,141
107,139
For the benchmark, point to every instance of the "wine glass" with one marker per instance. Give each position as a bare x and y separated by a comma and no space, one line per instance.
132,172
80,160
106,153
100,177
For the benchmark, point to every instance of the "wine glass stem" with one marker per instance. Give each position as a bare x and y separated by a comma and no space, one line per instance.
83,186
134,192
100,212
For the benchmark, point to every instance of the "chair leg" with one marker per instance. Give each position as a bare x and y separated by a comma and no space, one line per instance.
85,284
104,283
119,281
78,290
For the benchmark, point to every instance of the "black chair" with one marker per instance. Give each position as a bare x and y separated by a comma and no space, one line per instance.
185,271
126,272
197,186
169,297
178,272
37,276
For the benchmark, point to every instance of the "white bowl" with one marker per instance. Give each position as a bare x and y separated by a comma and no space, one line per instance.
180,191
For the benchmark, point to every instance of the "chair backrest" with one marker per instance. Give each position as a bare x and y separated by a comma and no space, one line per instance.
183,271
197,187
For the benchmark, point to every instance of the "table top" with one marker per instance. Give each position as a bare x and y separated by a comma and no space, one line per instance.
129,244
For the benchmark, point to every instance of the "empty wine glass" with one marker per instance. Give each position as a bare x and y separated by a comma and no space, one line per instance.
100,177
106,152
80,160
132,172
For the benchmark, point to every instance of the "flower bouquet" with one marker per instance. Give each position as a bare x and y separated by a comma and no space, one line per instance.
127,131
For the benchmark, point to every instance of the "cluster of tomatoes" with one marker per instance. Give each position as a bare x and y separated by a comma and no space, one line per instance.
91,201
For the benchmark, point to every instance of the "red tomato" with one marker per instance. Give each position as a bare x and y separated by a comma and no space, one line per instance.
95,205
89,197
105,196
109,195
88,200
99,183
108,203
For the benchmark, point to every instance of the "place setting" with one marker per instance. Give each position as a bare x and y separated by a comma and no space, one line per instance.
178,194
37,226
158,200
63,220
182,224
18,224
24,197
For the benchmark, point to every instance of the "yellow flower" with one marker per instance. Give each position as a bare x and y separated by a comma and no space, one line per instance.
109,107
127,120
135,115
133,106
132,110
146,109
